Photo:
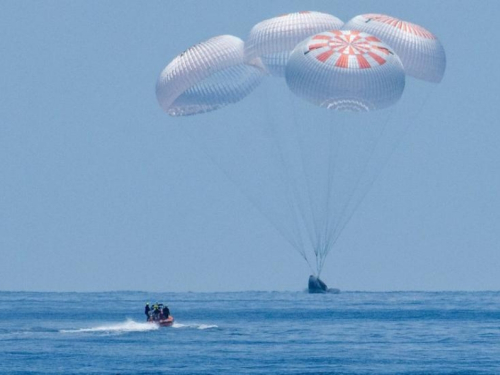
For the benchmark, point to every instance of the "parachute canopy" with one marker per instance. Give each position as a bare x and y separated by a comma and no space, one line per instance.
420,51
346,70
207,77
274,39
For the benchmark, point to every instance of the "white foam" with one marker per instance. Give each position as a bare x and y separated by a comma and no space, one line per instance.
128,326
195,325
207,326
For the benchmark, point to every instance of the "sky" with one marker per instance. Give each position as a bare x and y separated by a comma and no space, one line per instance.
101,190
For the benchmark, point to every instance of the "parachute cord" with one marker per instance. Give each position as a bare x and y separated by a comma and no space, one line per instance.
328,183
358,180
332,163
289,239
309,264
330,240
313,220
287,180
292,186
381,168
315,243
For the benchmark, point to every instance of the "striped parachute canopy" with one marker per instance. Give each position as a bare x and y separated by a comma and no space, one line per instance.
346,71
420,51
207,77
274,39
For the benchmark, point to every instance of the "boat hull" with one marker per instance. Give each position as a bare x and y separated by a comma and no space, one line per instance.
166,322
163,322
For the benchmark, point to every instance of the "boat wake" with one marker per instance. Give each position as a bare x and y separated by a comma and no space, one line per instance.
128,326
195,325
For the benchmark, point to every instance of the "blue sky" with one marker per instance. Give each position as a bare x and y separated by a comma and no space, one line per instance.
100,190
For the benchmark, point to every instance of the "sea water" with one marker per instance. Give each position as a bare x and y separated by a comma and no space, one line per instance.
251,333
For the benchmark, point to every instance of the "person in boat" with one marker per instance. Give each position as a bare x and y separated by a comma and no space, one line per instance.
147,309
156,311
166,312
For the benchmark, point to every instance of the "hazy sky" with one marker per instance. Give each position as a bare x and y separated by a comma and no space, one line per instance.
101,190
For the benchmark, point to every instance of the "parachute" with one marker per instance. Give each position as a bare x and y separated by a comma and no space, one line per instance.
346,70
335,105
420,51
206,77
274,39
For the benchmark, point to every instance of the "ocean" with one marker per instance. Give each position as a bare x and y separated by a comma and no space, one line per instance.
251,333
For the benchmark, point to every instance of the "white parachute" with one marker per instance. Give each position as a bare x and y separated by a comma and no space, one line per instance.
274,39
207,76
306,169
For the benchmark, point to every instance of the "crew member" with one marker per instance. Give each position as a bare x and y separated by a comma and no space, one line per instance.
166,312
146,311
156,310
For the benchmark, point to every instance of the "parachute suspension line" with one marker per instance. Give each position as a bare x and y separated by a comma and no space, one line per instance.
309,194
296,208
282,232
334,234
332,162
332,237
292,184
314,209
394,146
354,132
298,139
328,186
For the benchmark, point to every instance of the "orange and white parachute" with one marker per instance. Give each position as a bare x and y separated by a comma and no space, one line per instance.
346,70
420,51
